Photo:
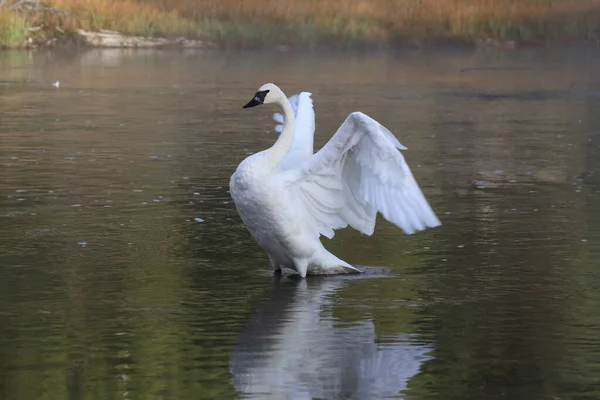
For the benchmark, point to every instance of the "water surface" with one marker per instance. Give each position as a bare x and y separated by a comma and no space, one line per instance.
126,273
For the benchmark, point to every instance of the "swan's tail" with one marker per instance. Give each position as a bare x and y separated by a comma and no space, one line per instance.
328,264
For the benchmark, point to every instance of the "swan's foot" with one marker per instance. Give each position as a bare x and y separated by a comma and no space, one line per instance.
332,270
276,266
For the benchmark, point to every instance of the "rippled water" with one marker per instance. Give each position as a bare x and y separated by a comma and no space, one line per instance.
125,271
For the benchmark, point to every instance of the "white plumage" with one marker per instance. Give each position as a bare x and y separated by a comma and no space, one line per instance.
293,349
287,196
304,130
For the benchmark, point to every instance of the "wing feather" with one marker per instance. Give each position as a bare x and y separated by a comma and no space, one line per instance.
302,147
358,173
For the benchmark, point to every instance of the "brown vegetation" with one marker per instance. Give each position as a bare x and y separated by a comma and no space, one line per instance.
250,22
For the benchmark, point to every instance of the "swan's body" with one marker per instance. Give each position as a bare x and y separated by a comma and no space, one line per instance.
287,197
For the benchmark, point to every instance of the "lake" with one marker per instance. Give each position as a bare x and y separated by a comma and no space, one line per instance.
126,273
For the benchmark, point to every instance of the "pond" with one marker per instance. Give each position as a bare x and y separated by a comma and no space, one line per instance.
125,271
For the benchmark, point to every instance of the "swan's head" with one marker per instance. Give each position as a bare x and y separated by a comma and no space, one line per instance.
267,93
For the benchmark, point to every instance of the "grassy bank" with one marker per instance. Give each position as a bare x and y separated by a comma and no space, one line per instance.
312,22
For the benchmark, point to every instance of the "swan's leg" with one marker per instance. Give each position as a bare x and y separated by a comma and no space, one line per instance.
275,264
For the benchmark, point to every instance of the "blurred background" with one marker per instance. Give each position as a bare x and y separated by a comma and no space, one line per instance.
310,22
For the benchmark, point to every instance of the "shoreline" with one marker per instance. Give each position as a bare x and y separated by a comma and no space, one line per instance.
107,39
285,24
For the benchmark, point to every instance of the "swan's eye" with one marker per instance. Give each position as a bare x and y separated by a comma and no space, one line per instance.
260,96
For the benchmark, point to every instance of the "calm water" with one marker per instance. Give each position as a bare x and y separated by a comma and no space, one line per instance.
125,272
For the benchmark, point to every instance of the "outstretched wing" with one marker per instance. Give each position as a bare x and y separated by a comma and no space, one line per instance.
302,147
358,173
278,117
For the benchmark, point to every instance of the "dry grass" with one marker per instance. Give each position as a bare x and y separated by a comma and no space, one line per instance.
351,21
126,16
411,20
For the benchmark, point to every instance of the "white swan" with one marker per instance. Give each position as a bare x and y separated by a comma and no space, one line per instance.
287,197
304,130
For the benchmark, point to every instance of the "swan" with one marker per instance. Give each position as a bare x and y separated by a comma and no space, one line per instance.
287,197
304,130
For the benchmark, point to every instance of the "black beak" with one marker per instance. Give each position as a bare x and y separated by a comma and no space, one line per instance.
257,100
253,103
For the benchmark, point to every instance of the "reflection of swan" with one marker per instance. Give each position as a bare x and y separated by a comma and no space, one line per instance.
290,351
287,204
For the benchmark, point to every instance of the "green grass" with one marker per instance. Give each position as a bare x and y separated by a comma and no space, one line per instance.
13,29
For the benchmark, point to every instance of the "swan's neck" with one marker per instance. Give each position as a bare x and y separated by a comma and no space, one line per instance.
284,143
